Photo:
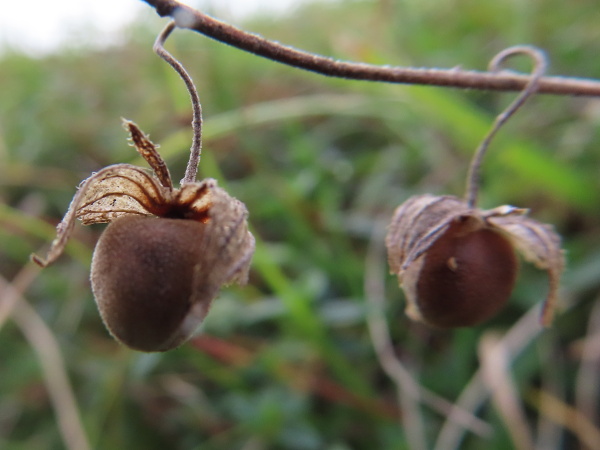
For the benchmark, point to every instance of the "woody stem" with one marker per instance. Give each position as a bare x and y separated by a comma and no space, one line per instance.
187,17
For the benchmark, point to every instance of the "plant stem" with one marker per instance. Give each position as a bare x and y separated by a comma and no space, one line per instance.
196,148
540,65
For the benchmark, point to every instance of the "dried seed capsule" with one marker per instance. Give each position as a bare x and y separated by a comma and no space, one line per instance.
154,278
457,265
455,262
167,251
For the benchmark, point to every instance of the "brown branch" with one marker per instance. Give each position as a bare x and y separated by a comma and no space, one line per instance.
189,18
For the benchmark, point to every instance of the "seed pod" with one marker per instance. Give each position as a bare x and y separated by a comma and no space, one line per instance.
154,278
166,251
457,265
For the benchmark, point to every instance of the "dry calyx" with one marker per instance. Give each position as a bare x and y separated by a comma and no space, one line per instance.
166,252
456,263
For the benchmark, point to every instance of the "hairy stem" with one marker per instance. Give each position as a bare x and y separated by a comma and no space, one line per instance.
186,17
196,149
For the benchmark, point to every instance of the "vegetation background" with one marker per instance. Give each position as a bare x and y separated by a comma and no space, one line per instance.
287,362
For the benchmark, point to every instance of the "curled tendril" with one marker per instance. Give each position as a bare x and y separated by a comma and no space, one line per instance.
539,69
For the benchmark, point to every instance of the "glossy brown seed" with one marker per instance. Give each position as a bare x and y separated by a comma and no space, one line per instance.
464,279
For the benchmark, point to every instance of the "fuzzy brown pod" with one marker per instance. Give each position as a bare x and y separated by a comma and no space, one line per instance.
457,264
166,252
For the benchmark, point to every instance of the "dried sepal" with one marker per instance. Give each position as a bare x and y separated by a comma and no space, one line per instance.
540,245
118,190
191,200
149,151
106,195
433,213
456,264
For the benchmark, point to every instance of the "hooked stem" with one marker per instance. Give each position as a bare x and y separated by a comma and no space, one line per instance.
196,149
540,65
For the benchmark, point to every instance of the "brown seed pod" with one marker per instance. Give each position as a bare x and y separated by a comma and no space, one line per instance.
457,265
166,252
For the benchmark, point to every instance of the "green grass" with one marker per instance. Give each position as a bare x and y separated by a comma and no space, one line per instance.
287,361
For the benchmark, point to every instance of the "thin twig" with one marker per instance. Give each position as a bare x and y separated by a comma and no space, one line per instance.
548,434
539,68
192,19
586,385
55,377
569,417
196,149
495,373
20,283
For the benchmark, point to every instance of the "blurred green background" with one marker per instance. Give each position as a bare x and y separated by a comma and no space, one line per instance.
287,362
